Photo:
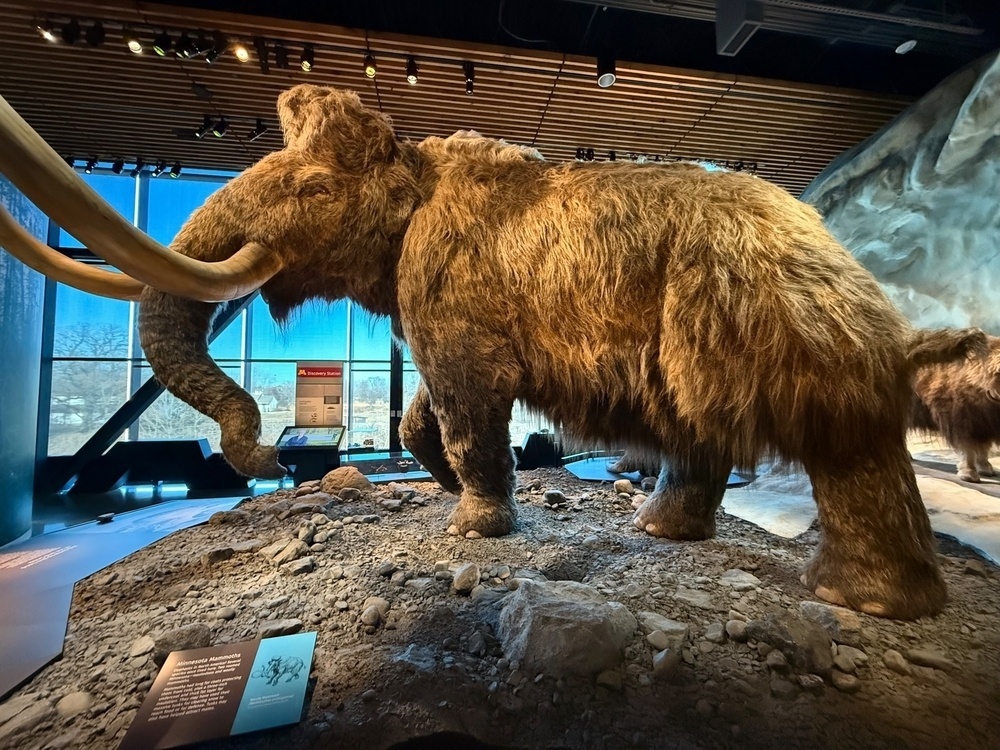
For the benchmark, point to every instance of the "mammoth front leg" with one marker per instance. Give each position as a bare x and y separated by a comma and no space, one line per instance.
421,434
477,443
877,551
688,493
982,461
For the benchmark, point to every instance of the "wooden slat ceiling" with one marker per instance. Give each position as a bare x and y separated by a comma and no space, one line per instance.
107,102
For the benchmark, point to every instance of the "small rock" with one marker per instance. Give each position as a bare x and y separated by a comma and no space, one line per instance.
740,580
846,683
553,497
610,679
777,662
811,683
393,505
142,646
319,519
648,484
349,494
399,577
895,661
228,516
650,622
841,624
624,487
466,578
251,545
477,644
805,644
299,567
715,633
216,556
659,640
371,616
379,603
782,689
844,663
974,568
273,628
74,703
694,597
223,613
737,630
927,658
387,568
856,655
369,695
343,477
666,662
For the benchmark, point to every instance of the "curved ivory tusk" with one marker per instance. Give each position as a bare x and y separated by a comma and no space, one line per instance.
39,172
58,267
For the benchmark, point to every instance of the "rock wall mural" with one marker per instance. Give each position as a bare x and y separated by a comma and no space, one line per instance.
21,292
919,202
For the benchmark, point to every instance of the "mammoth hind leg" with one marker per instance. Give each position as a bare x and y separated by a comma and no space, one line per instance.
476,439
421,434
876,553
688,493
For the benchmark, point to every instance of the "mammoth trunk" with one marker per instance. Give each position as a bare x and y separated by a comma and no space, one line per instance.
174,335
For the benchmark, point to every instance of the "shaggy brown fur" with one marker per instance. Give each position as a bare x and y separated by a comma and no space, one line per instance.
513,278
961,400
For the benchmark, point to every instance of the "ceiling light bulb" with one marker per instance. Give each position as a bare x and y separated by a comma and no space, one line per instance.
411,71
220,128
45,29
370,68
161,43
241,52
132,41
161,167
308,59
185,47
906,46
606,75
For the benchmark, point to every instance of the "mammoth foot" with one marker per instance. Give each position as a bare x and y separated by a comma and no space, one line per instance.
681,513
969,474
905,590
485,516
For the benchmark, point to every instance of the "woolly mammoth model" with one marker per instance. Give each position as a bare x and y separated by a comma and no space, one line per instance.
961,400
513,278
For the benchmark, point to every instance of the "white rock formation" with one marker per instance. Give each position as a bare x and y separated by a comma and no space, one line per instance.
918,203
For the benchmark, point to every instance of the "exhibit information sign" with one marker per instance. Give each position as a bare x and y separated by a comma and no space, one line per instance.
319,394
209,693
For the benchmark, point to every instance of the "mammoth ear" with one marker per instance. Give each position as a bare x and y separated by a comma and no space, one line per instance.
324,121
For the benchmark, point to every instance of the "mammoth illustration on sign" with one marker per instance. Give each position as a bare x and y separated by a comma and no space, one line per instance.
707,316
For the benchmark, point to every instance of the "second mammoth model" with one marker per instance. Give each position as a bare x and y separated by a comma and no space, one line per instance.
510,277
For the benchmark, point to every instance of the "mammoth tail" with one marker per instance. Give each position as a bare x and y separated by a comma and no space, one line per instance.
174,335
940,345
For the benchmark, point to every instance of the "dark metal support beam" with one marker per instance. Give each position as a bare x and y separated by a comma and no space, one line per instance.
395,396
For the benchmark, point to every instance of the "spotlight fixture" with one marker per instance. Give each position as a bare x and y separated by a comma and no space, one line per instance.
220,128
606,75
95,34
370,68
185,47
175,171
70,161
132,40
212,55
906,46
219,44
71,31
161,43
119,166
205,129
579,154
259,129
470,76
161,167
281,56
45,29
612,156
411,71
241,52
137,170
91,165
308,58
590,154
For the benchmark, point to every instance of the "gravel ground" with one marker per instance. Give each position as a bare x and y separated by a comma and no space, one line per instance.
402,654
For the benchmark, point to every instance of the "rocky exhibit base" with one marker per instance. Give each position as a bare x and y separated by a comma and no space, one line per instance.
576,631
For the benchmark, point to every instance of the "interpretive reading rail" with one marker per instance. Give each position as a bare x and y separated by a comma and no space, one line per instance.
197,686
